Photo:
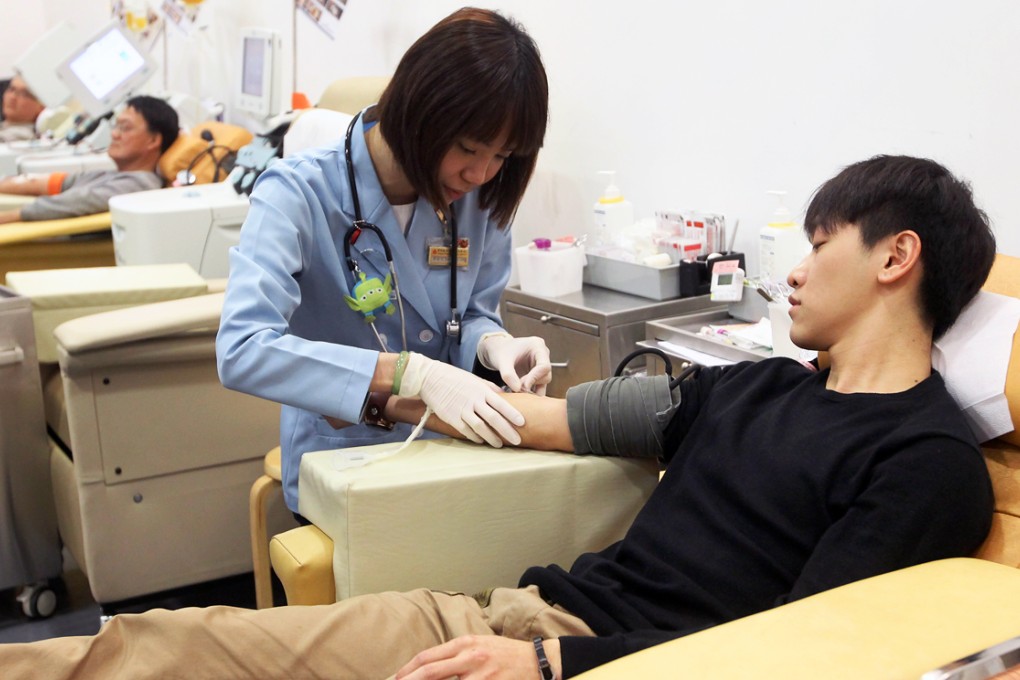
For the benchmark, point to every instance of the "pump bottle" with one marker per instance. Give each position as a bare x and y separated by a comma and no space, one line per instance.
782,244
613,213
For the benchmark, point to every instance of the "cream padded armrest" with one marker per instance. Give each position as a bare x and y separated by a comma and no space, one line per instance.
12,201
17,232
143,322
458,516
60,295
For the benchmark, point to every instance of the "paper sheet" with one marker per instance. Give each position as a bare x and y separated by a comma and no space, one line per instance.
973,358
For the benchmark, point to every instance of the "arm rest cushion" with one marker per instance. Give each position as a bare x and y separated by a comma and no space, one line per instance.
898,625
303,560
18,232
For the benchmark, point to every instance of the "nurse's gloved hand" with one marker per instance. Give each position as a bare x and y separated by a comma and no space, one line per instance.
523,363
473,406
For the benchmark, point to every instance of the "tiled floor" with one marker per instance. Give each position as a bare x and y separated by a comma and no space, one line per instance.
78,614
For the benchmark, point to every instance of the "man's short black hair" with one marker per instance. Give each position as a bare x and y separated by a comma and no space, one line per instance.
888,194
160,117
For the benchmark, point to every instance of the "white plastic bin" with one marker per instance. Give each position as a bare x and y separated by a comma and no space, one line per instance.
550,272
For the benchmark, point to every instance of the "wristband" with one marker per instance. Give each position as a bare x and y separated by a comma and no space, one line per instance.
544,669
398,372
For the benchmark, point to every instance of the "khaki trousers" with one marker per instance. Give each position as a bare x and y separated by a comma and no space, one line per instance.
370,636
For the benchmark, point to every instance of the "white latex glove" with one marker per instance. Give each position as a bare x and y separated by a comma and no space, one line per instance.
473,406
523,363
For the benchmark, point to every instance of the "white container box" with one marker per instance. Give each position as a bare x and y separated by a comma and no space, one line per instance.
550,272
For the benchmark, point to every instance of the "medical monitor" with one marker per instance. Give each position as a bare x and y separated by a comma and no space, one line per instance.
259,93
106,70
38,65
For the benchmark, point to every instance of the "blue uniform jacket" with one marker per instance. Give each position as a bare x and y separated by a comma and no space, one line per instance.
286,333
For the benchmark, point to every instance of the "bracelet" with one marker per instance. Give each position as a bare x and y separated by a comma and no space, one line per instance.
544,669
398,372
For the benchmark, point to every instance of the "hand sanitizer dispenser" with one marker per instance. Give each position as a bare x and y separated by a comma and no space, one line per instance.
782,243
613,212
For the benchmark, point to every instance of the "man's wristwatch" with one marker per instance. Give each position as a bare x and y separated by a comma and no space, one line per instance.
544,669
373,412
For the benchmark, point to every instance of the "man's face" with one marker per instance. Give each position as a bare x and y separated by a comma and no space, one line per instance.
833,285
131,138
19,104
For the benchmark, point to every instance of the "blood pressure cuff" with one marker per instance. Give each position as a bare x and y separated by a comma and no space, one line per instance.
623,416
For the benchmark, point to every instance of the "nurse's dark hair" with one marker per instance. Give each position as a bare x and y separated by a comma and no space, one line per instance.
471,76
885,195
160,118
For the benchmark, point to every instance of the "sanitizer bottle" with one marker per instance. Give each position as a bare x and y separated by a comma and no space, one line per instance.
782,244
613,213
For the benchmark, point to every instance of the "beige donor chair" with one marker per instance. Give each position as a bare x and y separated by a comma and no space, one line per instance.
898,625
151,458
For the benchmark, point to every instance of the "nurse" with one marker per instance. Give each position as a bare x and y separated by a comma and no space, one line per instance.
328,318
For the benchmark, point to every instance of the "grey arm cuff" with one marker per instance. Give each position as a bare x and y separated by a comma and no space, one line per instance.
621,416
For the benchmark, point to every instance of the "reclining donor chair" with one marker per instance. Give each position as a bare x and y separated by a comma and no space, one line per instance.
150,457
898,625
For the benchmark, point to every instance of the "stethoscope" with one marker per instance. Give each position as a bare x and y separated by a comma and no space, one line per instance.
360,224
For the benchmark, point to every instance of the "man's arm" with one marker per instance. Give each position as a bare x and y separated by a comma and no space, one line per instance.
615,417
7,216
25,185
545,419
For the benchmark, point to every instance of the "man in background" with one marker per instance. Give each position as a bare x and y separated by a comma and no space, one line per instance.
143,131
20,109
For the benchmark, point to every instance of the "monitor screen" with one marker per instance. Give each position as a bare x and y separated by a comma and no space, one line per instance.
106,63
254,66
260,69
106,70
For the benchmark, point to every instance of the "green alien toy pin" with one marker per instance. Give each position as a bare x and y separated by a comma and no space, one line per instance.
371,295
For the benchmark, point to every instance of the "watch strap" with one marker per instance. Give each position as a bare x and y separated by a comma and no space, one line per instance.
544,669
373,411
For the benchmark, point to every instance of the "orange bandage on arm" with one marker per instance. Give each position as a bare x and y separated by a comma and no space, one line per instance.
55,182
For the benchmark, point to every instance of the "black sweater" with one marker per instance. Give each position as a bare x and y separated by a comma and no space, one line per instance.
775,489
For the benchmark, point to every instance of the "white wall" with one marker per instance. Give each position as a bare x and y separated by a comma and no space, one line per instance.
18,36
697,104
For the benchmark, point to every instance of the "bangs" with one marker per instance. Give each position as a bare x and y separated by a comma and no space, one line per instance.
518,109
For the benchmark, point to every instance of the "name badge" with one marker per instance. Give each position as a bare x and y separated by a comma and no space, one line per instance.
438,252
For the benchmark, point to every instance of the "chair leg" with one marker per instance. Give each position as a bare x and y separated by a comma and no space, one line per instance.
260,540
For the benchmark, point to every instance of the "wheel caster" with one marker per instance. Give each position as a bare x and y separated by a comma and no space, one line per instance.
38,601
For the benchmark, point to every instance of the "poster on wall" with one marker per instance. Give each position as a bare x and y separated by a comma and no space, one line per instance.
181,15
139,17
324,13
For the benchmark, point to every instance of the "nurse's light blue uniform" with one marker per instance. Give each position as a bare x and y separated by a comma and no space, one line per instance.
286,333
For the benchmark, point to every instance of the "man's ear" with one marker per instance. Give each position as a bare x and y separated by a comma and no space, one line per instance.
158,139
902,252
